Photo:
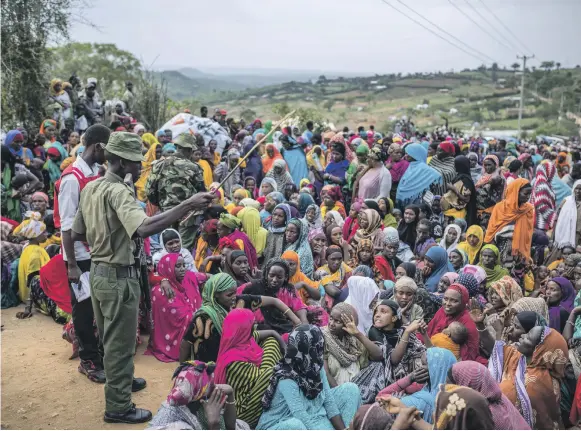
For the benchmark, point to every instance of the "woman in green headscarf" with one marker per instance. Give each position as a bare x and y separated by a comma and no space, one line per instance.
202,338
267,128
362,151
490,262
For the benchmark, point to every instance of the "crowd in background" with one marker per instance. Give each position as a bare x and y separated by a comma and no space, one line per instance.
339,279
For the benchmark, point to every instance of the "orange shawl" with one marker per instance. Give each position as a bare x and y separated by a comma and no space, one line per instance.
299,276
508,211
543,376
267,162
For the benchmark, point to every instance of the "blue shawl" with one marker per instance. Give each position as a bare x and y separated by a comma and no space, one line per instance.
417,178
441,266
337,169
439,362
297,164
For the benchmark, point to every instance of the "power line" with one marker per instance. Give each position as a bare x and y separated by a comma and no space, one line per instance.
505,27
513,46
449,34
433,32
479,26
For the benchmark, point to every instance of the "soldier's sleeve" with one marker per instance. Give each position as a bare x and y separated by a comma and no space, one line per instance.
151,185
79,222
130,213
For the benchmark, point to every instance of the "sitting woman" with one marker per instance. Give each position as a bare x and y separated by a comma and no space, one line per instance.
171,242
369,228
235,264
476,376
299,395
173,306
318,244
332,276
454,309
201,340
309,291
405,296
451,237
473,244
437,264
281,215
250,220
458,258
331,197
344,355
364,255
275,284
228,227
296,235
560,296
361,291
196,403
245,365
32,259
529,372
394,352
490,262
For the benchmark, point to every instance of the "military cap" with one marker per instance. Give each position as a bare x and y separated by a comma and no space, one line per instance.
125,145
186,140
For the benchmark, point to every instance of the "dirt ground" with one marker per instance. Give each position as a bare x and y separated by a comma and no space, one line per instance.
42,389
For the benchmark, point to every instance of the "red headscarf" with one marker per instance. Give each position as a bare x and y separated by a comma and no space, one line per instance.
237,343
210,227
448,147
469,351
188,286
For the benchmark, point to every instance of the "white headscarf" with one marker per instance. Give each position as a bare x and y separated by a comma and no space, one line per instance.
362,291
454,245
567,222
188,258
31,227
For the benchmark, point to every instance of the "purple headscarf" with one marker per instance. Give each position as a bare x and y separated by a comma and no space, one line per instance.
566,303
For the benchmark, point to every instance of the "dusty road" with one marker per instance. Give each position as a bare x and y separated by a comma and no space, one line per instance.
42,389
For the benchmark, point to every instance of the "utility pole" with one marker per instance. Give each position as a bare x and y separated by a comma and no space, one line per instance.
522,89
561,108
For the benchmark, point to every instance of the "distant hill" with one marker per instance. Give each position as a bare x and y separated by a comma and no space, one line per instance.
181,86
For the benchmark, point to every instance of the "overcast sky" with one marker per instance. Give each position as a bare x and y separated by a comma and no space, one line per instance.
331,35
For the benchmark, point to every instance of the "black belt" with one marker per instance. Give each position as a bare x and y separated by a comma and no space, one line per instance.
103,270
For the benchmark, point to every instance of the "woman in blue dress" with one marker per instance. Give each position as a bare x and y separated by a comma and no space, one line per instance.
299,395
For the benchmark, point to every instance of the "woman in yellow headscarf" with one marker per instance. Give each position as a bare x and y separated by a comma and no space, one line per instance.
147,165
237,198
250,218
473,243
148,140
33,257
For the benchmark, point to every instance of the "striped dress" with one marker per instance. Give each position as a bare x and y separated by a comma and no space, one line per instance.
250,382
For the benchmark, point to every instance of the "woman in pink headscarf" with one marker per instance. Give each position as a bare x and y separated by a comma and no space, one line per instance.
245,365
173,306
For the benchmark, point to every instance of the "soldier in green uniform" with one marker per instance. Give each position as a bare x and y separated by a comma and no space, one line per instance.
108,218
173,180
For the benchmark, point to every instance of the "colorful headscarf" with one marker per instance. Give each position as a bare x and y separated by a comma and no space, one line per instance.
217,283
192,380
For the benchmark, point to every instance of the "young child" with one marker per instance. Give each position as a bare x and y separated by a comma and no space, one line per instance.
397,214
451,338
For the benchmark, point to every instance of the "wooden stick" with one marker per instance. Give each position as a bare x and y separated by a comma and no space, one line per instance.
272,130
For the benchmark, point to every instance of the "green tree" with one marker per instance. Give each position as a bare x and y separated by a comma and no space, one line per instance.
328,105
557,65
26,28
349,102
281,109
515,66
547,65
494,75
110,65
248,115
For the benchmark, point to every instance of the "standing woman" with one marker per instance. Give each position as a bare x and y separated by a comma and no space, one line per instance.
397,166
568,223
253,163
417,178
336,170
461,197
375,180
543,197
271,155
386,208
281,216
490,188
443,162
279,174
515,214
228,227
